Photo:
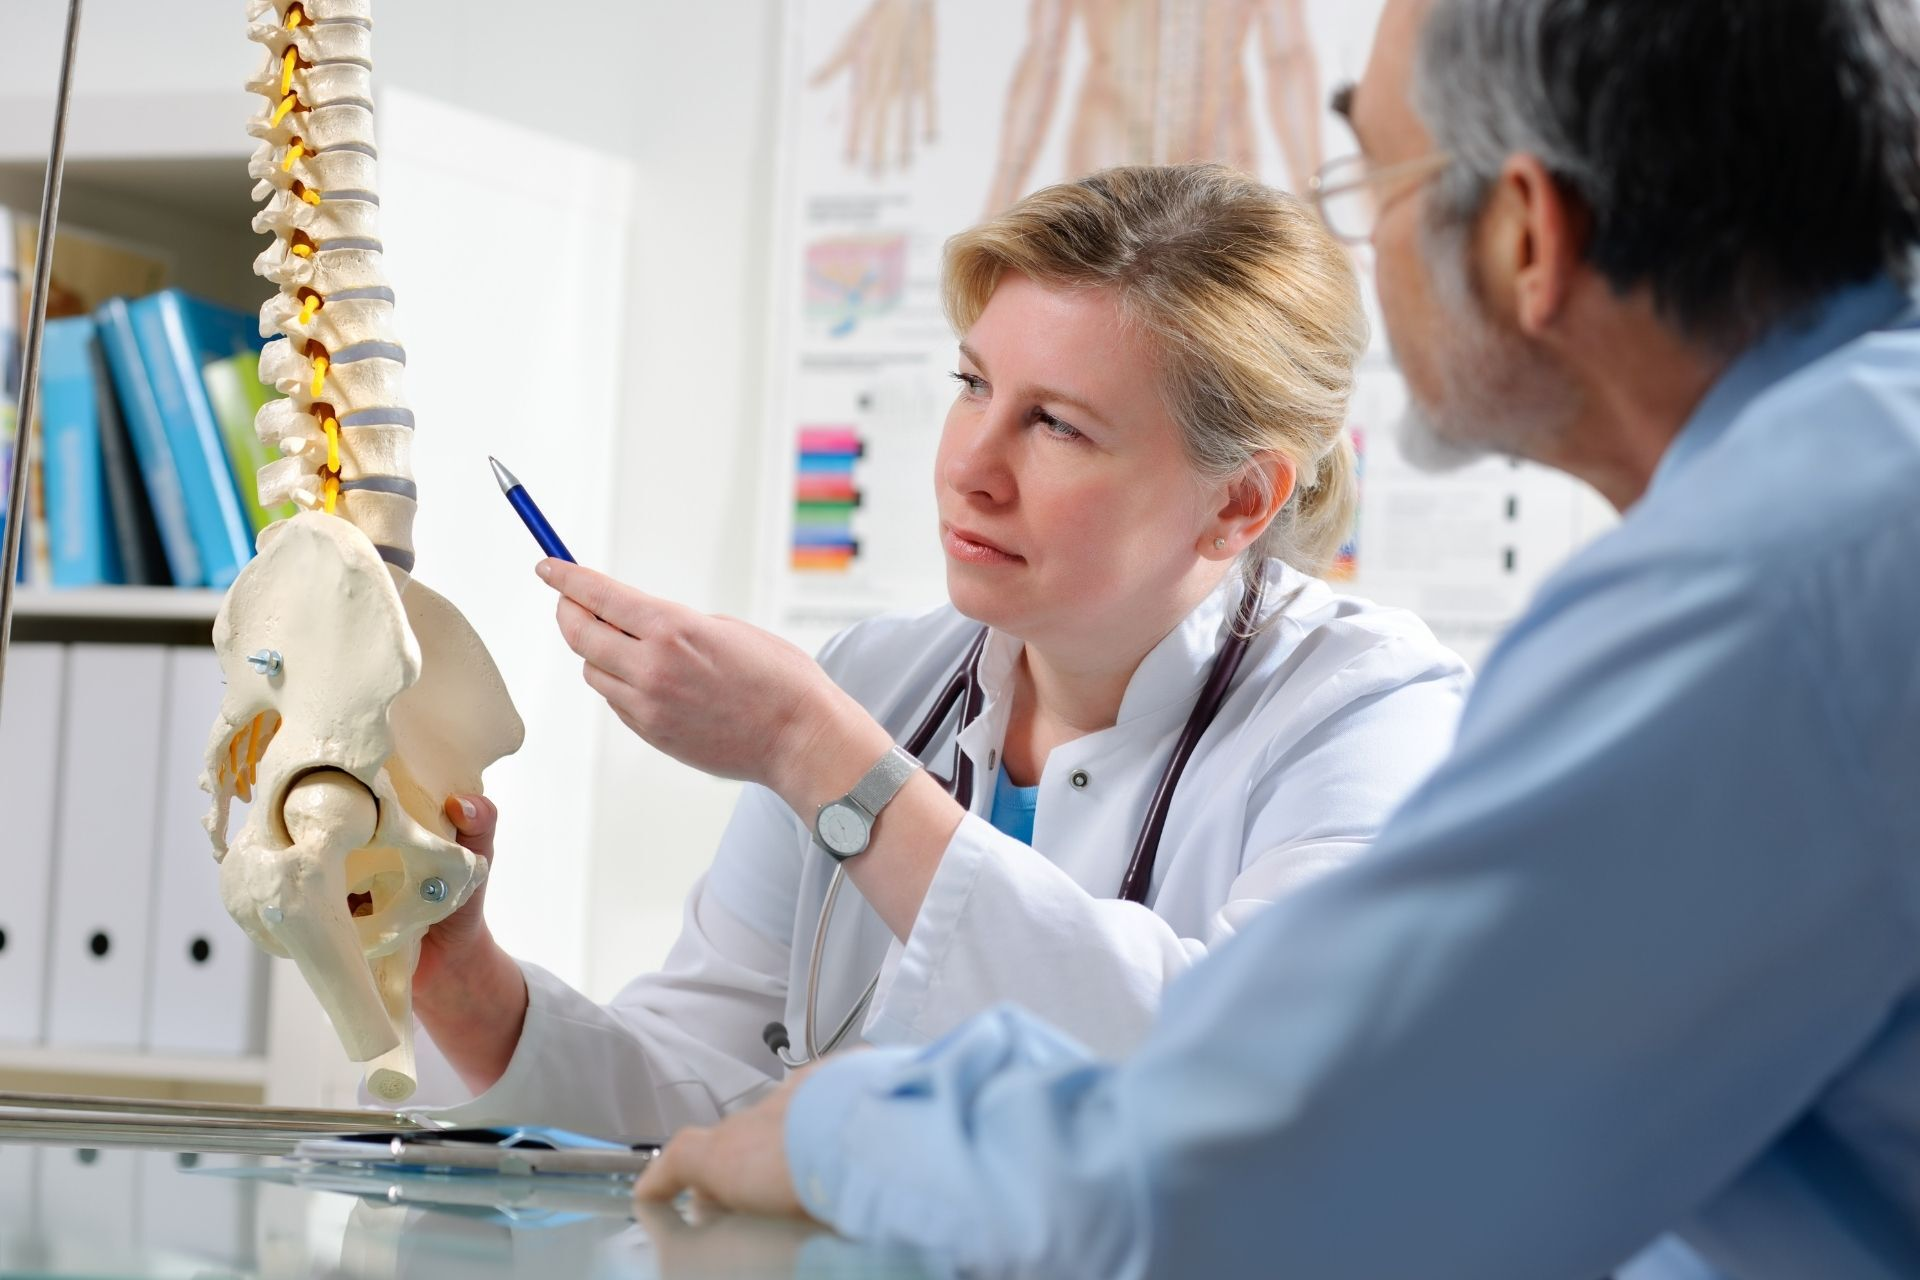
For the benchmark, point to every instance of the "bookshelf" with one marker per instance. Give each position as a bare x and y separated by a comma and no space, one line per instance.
127,615
166,172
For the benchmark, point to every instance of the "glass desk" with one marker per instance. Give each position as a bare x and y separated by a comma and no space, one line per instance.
106,1210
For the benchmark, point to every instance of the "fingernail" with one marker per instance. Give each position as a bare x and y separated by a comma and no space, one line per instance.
468,809
544,569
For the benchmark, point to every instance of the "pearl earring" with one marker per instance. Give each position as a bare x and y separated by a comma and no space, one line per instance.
1219,544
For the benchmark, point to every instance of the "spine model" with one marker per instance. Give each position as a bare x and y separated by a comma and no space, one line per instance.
357,699
344,427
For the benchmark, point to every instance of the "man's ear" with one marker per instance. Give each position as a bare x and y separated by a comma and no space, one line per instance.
1529,247
1248,503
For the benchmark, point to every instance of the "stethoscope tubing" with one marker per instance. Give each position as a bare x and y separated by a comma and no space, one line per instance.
963,690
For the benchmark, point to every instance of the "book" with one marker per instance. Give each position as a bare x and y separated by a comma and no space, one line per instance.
234,387
10,316
141,413
83,549
143,560
12,309
87,268
178,336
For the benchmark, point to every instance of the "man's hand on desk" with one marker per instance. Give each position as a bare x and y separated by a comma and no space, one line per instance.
738,1164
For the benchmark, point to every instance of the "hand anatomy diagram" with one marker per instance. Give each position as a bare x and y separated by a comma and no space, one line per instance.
1165,83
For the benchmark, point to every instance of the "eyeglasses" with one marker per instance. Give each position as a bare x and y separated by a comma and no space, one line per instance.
1351,193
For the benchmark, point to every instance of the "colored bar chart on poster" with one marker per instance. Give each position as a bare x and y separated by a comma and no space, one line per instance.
1346,562
825,497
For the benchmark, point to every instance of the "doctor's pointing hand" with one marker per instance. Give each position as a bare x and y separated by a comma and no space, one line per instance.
1139,720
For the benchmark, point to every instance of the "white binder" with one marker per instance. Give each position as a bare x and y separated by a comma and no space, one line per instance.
103,864
29,769
207,982
19,1204
89,1196
187,1213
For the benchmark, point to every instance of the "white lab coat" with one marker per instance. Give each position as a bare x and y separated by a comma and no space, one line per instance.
1341,707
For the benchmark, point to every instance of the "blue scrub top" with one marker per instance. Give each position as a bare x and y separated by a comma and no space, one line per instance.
1013,808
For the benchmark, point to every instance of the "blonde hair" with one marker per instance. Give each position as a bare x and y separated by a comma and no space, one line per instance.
1254,306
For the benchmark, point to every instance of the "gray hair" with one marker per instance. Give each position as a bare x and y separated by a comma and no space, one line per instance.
1739,158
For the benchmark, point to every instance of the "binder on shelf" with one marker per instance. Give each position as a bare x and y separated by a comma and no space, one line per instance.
19,1207
84,549
207,982
187,1210
30,725
89,1194
149,434
103,850
178,335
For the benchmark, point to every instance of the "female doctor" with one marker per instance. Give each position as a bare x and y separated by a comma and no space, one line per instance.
1144,463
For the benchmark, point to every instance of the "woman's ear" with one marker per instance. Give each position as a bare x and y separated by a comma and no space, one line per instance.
1249,502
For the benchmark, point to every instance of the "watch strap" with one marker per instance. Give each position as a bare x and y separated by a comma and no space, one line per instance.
883,782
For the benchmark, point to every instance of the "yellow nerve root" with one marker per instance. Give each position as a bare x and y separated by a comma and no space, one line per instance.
294,153
319,374
286,69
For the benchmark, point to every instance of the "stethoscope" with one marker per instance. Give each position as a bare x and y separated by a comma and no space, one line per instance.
963,693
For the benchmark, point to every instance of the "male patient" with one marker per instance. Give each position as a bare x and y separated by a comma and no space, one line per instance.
1644,955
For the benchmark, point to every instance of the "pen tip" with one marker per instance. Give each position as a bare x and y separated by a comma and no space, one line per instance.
501,474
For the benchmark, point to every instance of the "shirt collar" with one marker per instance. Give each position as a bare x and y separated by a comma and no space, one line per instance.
1822,329
1172,672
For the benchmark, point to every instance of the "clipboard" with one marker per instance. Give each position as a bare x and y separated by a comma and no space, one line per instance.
514,1151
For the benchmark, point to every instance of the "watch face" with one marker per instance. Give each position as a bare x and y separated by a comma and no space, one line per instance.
842,828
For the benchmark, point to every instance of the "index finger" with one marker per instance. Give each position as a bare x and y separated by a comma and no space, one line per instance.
606,598
665,1176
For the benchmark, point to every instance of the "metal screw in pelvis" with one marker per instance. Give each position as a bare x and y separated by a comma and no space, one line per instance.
434,889
267,662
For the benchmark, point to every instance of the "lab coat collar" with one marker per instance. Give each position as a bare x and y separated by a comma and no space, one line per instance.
1820,330
1173,671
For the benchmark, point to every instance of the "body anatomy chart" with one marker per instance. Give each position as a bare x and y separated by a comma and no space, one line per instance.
906,121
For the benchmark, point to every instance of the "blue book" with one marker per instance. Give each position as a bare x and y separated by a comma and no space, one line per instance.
141,413
84,545
179,336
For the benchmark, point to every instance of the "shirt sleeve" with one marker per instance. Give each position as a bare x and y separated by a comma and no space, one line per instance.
677,1047
1618,944
1000,917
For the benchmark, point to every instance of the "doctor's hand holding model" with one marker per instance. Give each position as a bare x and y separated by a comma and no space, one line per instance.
1140,720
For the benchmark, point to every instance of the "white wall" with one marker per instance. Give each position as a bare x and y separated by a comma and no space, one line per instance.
686,93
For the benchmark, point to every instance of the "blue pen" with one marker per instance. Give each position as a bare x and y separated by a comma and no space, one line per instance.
530,514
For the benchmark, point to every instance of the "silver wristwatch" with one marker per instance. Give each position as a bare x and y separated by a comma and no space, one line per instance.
843,827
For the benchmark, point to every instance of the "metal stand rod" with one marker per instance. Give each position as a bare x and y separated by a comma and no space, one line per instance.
17,515
223,1112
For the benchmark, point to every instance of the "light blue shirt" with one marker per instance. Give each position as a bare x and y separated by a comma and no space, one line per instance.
1013,808
1643,955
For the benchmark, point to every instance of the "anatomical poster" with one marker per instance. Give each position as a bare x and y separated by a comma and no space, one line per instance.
906,121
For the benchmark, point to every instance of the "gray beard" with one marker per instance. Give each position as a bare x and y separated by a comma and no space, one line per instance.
1426,449
1497,397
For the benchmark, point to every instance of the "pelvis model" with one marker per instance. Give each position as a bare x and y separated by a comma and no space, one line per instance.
357,700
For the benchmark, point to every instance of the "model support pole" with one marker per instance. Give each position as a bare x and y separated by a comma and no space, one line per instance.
16,521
